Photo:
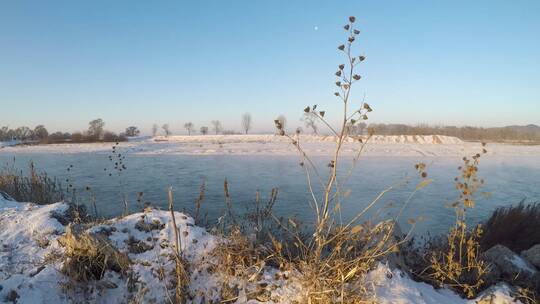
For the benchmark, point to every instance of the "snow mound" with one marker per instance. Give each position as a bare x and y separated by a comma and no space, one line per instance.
267,138
31,261
28,236
394,287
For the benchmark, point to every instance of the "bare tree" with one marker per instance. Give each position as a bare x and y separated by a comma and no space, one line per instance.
189,127
132,131
95,128
23,133
282,120
310,120
216,126
40,132
361,127
154,129
246,122
166,129
204,130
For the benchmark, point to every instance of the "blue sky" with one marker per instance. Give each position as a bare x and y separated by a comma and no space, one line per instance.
63,63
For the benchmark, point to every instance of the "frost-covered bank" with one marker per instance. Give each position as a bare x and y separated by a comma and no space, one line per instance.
33,264
417,146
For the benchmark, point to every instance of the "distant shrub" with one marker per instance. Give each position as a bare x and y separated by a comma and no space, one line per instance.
77,137
132,131
112,137
516,227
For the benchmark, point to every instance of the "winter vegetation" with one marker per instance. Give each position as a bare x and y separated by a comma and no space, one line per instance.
95,133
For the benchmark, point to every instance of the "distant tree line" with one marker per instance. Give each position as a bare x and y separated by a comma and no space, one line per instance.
509,133
95,133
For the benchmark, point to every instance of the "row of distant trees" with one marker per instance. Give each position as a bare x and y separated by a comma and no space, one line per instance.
95,133
217,128
509,133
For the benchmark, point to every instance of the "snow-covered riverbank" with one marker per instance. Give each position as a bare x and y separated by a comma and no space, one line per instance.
428,146
31,259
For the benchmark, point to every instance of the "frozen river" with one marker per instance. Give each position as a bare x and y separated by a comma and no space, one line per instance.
509,177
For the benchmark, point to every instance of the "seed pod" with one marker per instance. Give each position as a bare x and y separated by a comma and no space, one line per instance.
356,77
338,83
356,32
336,93
351,39
352,19
347,27
307,109
341,47
341,66
338,73
362,58
321,113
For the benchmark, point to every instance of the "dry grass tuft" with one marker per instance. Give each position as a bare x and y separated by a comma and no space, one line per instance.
181,265
237,255
37,187
516,227
334,259
455,260
89,256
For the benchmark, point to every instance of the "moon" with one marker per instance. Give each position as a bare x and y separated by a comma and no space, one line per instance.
316,28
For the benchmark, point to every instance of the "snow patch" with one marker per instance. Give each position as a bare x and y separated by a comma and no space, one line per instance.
28,245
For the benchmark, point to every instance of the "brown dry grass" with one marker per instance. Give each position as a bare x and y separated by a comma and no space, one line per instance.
36,187
88,256
516,227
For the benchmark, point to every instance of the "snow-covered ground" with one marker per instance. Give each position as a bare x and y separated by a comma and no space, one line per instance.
432,145
31,258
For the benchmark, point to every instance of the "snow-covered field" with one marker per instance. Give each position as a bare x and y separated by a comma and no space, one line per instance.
31,258
432,145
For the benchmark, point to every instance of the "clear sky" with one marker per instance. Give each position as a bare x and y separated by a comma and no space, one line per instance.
63,63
